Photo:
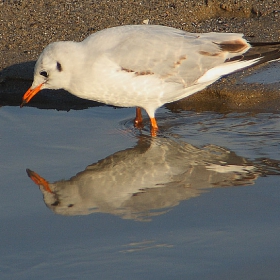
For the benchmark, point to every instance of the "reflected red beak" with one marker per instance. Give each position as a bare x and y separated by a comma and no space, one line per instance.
29,95
38,180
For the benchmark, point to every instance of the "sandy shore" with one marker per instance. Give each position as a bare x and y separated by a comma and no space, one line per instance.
28,26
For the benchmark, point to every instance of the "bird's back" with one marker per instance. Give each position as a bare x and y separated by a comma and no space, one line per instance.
149,65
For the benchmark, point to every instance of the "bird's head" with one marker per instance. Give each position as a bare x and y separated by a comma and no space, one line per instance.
51,69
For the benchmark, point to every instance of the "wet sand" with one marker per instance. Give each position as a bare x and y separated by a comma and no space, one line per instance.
28,26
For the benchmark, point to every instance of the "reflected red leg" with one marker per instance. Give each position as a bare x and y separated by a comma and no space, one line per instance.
154,127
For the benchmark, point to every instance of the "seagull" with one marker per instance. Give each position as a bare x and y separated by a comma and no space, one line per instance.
144,66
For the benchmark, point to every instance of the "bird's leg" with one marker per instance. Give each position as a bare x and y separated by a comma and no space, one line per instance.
154,127
138,121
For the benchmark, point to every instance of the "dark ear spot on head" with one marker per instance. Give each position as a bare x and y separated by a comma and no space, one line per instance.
58,66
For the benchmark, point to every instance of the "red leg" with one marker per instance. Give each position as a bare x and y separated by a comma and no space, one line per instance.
138,121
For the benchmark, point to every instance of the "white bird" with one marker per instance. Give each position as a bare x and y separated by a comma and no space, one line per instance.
144,66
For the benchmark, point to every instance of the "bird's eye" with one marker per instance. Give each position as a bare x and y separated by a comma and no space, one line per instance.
56,203
44,73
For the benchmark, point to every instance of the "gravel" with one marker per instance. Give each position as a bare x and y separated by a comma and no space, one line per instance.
26,27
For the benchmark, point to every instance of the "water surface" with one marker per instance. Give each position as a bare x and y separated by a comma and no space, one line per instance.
201,201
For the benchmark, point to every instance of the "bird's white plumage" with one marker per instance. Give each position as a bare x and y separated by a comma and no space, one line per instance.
144,66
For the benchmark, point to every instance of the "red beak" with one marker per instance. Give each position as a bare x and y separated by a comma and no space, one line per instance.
29,94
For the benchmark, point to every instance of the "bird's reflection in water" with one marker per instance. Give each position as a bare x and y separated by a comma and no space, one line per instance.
149,179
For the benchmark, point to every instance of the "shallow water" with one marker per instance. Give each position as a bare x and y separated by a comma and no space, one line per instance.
266,75
200,201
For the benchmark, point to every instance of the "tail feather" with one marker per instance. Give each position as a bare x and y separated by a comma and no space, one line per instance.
260,52
264,44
